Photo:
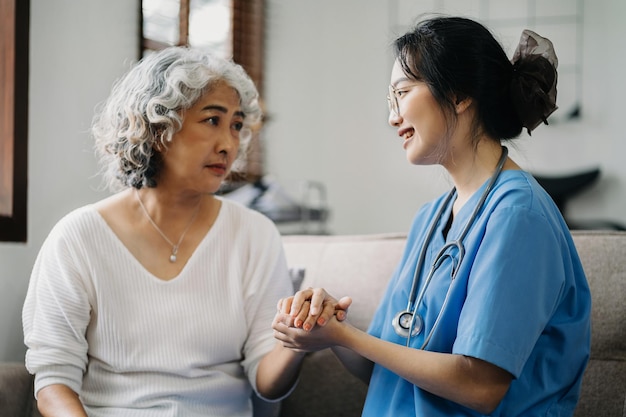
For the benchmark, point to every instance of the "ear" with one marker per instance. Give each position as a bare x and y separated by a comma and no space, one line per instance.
462,104
157,133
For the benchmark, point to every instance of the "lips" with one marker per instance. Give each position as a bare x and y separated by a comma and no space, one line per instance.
219,169
406,134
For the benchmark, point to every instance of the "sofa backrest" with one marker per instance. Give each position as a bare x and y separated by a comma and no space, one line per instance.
361,266
603,255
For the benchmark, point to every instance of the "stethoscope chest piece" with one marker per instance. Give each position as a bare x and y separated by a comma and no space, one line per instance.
406,321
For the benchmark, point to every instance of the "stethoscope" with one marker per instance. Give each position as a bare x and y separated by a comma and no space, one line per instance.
409,323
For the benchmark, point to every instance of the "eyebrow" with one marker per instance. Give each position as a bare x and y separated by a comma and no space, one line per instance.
221,109
399,80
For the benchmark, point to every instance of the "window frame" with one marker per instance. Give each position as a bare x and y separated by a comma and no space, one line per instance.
14,47
248,30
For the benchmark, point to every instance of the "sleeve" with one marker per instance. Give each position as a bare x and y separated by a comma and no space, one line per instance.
266,281
513,289
55,316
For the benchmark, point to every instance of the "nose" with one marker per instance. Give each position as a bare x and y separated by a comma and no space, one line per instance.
227,143
394,119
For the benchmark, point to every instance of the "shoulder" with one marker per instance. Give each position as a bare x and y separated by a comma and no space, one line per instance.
251,233
521,206
71,236
518,189
244,218
76,221
80,230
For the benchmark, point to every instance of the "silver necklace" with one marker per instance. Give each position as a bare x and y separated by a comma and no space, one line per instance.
175,247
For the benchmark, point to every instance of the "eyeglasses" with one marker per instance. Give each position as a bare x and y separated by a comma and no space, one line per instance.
392,97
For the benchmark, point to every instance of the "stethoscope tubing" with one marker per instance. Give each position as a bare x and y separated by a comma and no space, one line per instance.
414,303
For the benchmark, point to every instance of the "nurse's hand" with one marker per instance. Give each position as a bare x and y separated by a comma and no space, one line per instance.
321,337
312,307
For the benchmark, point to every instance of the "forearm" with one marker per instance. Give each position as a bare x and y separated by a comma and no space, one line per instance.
355,363
468,381
59,400
278,371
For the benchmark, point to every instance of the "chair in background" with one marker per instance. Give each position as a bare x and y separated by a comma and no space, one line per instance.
305,215
563,188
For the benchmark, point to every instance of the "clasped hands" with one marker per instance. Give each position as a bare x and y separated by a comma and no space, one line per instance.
310,320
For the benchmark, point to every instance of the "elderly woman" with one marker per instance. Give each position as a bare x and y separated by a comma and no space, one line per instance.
158,300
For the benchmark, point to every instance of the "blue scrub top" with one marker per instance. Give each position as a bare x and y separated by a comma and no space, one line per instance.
520,300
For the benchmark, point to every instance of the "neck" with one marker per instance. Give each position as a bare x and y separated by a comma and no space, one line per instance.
172,213
165,233
167,207
469,168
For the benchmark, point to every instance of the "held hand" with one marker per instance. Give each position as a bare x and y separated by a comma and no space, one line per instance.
285,307
314,306
314,340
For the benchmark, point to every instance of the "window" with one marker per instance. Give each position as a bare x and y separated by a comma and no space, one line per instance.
231,28
14,29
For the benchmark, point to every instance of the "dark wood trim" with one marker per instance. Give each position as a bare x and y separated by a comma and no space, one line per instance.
183,23
153,45
140,39
7,99
13,228
248,37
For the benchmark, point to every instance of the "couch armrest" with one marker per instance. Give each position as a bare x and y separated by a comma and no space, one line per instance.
16,391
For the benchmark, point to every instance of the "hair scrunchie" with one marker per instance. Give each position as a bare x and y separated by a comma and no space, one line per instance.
533,85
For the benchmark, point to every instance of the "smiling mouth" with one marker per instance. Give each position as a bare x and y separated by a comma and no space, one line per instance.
408,134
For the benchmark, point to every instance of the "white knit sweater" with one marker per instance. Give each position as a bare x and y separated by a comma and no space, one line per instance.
134,345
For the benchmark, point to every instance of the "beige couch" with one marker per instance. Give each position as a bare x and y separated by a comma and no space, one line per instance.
360,266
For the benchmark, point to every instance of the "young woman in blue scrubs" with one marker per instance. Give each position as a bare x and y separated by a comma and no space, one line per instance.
488,312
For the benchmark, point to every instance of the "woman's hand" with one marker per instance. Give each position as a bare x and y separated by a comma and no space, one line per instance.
299,340
313,306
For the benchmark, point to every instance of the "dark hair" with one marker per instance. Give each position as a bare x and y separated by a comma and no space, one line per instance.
459,58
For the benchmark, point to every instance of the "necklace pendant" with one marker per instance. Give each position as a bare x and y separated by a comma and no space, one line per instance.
174,253
173,256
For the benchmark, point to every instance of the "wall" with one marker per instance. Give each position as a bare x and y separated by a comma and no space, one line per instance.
327,75
77,49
